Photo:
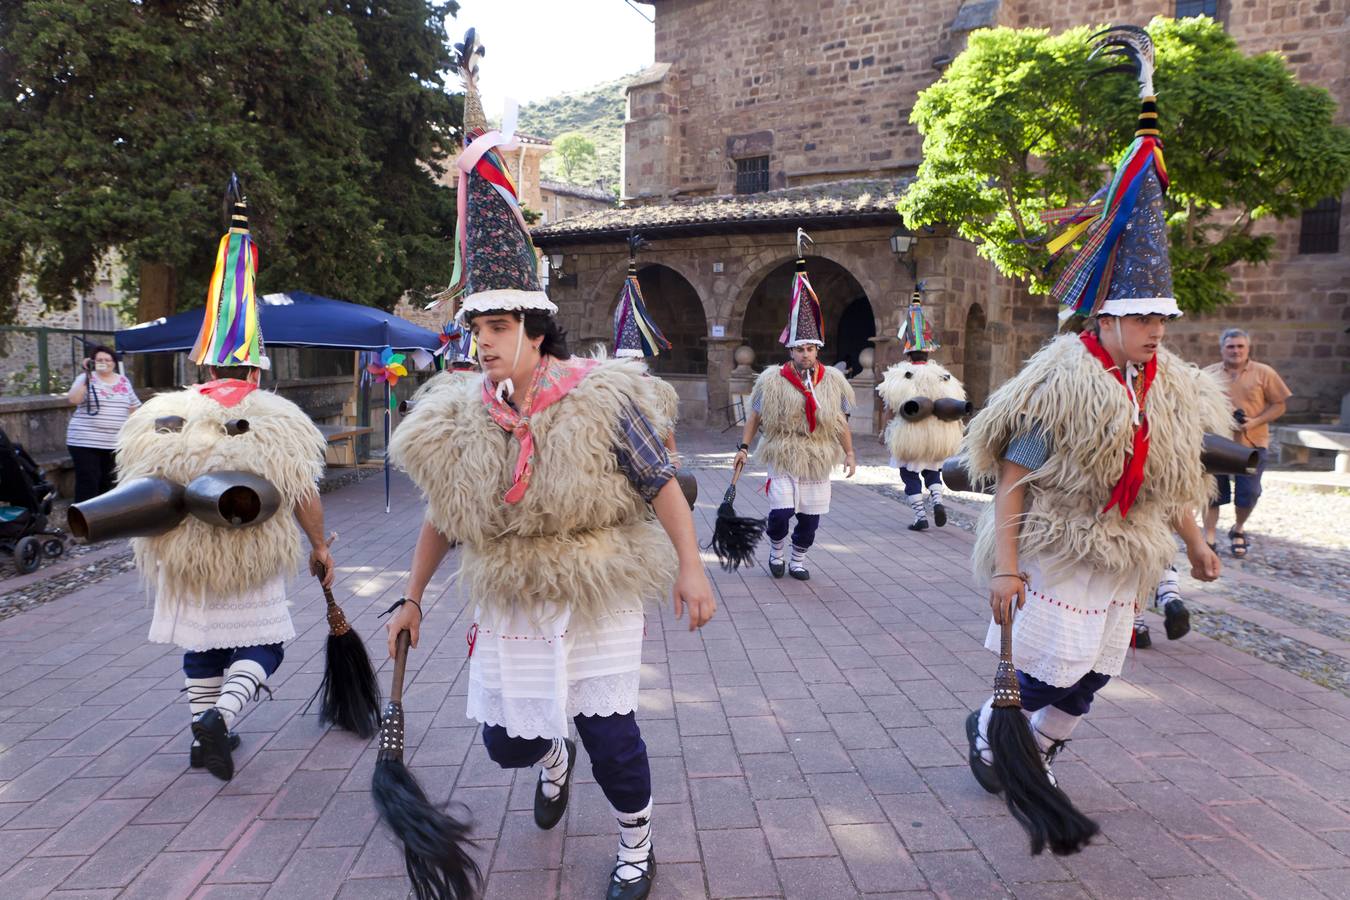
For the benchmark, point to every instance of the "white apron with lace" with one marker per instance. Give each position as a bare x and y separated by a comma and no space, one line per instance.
811,498
531,677
1074,622
259,616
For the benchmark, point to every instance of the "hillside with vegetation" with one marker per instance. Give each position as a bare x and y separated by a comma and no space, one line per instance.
596,114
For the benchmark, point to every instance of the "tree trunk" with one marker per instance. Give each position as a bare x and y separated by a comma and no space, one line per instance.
158,297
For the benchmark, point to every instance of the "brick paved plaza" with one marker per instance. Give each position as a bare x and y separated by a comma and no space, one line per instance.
808,743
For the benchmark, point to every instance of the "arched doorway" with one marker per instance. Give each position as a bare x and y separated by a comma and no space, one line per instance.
977,355
674,306
849,321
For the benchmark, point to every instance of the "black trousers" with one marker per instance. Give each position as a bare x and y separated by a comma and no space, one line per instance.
93,471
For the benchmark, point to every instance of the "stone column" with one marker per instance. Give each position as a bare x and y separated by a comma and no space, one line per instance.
720,364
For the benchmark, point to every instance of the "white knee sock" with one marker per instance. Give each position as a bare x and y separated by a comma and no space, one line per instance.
1168,588
553,769
635,842
916,503
202,693
776,549
798,562
935,491
982,737
1051,724
244,680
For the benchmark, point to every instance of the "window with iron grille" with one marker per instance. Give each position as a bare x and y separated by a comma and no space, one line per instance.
752,175
1321,231
1188,8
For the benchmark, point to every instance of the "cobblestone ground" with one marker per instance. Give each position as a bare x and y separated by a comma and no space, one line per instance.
807,743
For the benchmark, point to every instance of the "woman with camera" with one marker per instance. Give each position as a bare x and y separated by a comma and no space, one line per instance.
103,398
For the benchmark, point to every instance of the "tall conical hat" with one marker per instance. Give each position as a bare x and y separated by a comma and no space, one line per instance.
916,334
635,334
1124,268
805,324
496,265
231,334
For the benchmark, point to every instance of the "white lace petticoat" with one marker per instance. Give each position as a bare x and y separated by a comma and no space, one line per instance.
1078,622
259,616
531,678
809,497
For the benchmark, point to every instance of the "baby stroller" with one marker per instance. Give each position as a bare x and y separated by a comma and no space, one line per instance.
25,504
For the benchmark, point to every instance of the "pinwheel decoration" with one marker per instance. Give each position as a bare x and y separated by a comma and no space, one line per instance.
389,368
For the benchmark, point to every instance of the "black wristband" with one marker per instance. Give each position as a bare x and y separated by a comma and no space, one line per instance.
740,447
400,602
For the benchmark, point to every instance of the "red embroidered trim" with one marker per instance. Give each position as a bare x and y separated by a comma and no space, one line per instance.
1077,609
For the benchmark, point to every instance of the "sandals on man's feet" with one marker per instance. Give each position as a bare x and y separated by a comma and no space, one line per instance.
1237,543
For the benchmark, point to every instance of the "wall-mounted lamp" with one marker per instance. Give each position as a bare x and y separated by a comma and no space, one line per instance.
556,274
904,245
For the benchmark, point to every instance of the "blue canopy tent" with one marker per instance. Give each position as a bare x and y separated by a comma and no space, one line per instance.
291,319
298,319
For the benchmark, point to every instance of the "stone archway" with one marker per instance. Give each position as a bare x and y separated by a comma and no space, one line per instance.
977,356
844,305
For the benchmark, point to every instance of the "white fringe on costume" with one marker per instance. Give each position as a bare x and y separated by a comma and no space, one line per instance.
798,494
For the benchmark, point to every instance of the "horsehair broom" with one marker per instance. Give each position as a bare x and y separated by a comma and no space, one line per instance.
348,695
735,537
435,845
1044,811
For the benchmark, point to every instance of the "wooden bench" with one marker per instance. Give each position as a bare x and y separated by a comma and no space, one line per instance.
342,442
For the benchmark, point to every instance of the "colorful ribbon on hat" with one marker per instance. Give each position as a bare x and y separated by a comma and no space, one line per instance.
230,330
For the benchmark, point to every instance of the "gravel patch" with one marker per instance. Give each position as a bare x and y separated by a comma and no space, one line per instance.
1304,660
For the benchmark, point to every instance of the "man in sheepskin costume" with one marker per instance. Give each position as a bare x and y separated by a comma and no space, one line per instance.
919,436
549,473
220,592
1095,450
802,407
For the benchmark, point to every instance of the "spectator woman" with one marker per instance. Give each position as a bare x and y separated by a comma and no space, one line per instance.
103,398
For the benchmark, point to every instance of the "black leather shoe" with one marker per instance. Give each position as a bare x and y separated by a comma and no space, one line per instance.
939,515
195,751
777,567
920,525
622,887
1176,619
1142,641
209,730
983,772
548,813
800,574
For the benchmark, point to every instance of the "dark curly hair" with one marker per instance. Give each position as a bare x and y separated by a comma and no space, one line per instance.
104,348
537,324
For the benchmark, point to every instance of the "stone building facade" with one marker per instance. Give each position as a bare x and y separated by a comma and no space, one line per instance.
760,117
561,200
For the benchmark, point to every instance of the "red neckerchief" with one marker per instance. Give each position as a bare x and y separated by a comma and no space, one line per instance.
789,371
227,391
1132,478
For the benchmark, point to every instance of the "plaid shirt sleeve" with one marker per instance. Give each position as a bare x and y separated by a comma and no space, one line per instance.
1030,449
641,455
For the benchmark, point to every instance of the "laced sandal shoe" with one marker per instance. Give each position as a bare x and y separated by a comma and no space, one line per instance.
195,751
1176,618
918,525
984,773
631,881
548,813
209,730
1048,755
1141,641
777,567
801,573
939,515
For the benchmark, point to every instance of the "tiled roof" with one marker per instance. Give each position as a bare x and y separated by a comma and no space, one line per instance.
531,139
589,192
839,203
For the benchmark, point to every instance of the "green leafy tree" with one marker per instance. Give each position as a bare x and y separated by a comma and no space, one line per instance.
577,153
120,123
1022,122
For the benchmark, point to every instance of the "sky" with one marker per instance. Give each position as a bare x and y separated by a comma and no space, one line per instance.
540,48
